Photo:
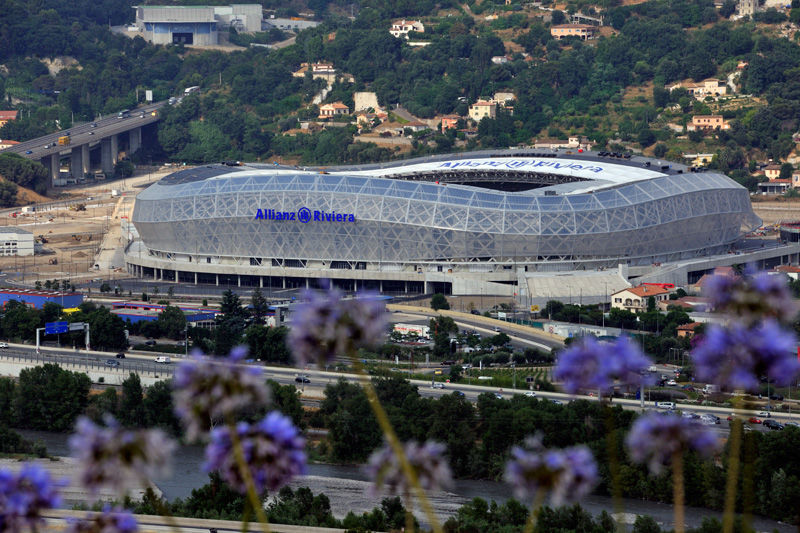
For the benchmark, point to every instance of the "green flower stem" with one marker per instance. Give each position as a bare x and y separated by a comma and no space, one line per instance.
394,442
613,464
247,476
533,516
409,515
735,442
677,491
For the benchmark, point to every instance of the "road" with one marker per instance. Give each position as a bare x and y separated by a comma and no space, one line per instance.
142,362
85,133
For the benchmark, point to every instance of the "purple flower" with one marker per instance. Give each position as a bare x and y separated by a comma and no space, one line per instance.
752,297
23,495
273,451
115,457
206,388
593,365
736,357
654,438
427,460
326,326
111,520
567,474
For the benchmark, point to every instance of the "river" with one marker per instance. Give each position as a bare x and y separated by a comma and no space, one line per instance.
346,487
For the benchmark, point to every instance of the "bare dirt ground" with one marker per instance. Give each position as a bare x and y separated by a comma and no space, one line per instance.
777,211
77,240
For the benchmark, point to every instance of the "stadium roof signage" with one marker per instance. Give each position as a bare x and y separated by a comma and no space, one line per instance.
304,215
516,164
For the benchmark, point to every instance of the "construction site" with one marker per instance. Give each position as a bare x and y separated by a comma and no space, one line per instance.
78,238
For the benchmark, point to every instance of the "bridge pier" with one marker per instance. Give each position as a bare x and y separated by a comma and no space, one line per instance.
79,161
53,162
109,151
134,140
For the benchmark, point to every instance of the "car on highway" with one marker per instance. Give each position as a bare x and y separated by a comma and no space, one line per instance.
665,405
150,342
530,394
792,423
120,355
163,359
754,420
112,362
94,124
28,151
764,414
498,395
672,383
458,393
4,345
302,379
474,312
773,424
557,402
496,329
91,133
437,385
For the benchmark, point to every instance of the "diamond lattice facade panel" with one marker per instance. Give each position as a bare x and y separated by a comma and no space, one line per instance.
573,207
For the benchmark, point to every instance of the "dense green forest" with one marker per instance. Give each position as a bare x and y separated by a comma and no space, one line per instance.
250,99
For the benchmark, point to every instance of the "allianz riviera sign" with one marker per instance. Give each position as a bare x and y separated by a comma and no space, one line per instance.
304,215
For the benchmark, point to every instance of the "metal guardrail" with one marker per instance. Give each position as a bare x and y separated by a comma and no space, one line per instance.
86,363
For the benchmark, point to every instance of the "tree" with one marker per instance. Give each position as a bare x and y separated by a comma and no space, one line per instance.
231,306
7,393
260,306
8,194
158,408
438,301
131,409
107,330
442,327
49,398
100,404
172,322
267,344
786,171
286,399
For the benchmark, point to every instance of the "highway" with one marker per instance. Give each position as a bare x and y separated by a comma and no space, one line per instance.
312,392
89,133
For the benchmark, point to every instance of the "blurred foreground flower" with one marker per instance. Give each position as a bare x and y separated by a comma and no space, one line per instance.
656,438
272,449
207,388
325,326
113,456
24,495
737,356
751,297
592,365
111,520
427,460
568,474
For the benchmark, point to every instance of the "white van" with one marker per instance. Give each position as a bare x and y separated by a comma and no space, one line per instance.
162,359
665,405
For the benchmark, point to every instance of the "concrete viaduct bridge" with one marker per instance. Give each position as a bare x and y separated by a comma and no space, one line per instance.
109,135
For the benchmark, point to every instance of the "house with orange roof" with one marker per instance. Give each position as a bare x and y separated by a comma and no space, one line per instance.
333,110
5,143
6,116
687,330
634,299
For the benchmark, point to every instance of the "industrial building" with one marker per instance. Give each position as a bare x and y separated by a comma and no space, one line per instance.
147,312
479,223
15,241
37,298
195,25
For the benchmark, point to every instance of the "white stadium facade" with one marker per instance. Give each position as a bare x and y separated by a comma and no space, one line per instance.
494,222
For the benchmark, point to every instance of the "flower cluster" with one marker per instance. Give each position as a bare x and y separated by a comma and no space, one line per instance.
24,495
735,357
593,365
110,520
272,450
115,457
567,474
754,343
325,326
427,461
655,438
205,389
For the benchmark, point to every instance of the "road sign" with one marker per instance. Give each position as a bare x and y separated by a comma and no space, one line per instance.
534,309
52,328
77,326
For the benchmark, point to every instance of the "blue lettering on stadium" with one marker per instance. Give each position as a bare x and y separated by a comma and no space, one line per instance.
304,215
516,164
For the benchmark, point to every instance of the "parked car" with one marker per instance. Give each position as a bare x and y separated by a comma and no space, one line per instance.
112,362
302,379
163,359
773,424
120,355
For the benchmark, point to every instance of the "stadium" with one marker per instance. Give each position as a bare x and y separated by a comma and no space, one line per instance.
481,222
